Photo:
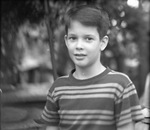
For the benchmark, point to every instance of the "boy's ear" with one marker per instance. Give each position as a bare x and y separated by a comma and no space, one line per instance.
65,38
104,43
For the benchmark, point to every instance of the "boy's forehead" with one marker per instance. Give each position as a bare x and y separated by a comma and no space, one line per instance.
77,28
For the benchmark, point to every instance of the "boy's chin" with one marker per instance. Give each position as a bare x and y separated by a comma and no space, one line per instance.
81,65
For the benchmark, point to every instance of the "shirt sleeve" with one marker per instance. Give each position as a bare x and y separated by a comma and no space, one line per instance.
50,114
127,107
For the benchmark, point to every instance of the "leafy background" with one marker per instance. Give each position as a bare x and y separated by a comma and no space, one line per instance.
25,40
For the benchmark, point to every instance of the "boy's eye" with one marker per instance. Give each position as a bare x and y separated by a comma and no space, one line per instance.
89,39
72,38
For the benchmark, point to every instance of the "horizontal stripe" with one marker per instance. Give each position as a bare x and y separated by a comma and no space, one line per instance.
93,86
129,118
126,95
129,88
50,116
86,96
95,122
49,119
138,117
85,112
129,94
77,91
130,110
50,112
125,117
133,113
124,122
86,117
104,90
47,115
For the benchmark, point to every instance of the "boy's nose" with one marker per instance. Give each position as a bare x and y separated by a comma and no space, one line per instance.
79,44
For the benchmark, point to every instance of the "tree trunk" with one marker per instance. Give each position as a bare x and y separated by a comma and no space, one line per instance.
50,37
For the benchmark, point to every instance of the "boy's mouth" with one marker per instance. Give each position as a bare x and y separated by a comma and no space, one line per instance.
80,56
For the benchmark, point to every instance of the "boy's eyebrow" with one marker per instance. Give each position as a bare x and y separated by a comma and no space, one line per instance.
89,35
71,34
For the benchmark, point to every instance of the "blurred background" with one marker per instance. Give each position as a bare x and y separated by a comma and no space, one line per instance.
33,52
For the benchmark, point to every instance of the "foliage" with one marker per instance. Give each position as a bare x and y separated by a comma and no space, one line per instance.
13,14
129,30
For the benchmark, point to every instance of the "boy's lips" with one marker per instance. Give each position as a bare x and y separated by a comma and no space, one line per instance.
79,56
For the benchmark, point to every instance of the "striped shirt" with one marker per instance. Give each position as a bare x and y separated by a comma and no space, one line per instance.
103,102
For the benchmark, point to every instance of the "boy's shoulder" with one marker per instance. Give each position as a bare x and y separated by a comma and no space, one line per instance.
119,77
118,74
60,81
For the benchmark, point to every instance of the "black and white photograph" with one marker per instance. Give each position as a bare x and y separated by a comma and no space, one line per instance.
75,65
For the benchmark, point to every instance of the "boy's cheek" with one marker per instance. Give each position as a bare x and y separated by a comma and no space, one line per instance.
70,48
70,53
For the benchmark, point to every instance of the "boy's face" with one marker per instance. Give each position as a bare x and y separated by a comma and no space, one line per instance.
84,44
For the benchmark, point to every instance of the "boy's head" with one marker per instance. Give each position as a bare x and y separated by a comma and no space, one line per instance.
88,16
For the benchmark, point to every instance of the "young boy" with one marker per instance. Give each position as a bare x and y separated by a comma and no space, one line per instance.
92,97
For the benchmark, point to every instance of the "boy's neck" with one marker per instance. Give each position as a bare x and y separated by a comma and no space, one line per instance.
85,73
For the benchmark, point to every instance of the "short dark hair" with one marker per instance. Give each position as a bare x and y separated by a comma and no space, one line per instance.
88,15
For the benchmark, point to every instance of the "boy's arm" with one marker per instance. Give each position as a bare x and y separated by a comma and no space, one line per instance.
130,126
52,128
